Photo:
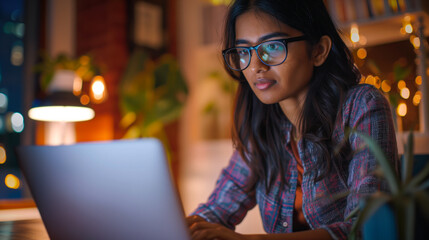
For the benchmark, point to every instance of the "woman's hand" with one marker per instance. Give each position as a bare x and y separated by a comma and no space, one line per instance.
200,229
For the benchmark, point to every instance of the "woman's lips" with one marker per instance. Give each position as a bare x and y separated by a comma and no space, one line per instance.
263,84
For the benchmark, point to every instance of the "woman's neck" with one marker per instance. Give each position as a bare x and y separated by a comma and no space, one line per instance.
292,109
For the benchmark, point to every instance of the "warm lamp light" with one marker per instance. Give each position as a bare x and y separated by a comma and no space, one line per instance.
61,114
61,107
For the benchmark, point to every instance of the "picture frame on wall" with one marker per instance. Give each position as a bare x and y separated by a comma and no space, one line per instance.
148,25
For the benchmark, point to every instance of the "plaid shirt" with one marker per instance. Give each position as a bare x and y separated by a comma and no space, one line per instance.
365,109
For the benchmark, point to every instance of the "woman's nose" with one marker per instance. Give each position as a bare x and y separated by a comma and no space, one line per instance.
256,65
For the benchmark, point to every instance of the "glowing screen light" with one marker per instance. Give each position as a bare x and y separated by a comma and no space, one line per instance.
12,181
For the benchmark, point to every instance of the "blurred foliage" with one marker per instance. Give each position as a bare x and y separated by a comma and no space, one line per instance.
84,67
152,94
407,193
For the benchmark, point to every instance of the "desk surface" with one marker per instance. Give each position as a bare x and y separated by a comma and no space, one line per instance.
23,229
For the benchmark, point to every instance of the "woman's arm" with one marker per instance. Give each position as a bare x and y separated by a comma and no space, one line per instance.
203,230
230,201
367,111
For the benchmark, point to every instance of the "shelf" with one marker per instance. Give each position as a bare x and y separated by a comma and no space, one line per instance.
384,29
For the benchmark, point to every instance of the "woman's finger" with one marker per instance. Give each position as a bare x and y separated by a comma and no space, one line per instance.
193,219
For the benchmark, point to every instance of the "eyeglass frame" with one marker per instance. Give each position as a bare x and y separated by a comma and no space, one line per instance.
285,41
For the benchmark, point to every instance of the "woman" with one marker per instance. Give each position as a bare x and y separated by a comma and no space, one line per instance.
298,93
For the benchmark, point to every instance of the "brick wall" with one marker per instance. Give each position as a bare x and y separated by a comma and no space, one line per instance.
101,30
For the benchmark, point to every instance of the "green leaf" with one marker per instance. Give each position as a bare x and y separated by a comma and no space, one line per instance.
353,213
410,216
422,198
385,165
372,204
423,186
421,176
408,160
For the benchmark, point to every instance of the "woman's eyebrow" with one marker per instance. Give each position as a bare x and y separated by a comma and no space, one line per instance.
263,38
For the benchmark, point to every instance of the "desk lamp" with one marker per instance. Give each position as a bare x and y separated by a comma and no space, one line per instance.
61,108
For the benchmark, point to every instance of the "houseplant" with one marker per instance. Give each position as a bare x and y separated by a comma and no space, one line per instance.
83,66
406,194
152,94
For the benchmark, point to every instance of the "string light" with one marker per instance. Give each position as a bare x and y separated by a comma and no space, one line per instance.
354,33
419,80
401,84
417,98
385,86
402,109
361,53
405,93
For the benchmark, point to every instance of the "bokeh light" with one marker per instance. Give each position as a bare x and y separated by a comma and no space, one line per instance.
402,109
17,121
17,55
408,28
12,181
8,27
19,30
2,125
405,93
98,89
417,98
385,86
354,33
415,41
361,53
370,80
84,99
401,84
419,80
3,155
3,102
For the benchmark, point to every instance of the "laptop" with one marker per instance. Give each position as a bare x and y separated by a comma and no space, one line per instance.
120,189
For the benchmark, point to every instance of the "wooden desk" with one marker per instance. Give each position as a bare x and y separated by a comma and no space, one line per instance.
23,230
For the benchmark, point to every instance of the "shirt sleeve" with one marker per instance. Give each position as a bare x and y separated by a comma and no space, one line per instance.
369,113
229,202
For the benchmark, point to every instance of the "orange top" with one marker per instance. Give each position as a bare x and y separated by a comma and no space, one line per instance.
299,222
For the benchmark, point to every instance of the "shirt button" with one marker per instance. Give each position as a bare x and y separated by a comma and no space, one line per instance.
285,224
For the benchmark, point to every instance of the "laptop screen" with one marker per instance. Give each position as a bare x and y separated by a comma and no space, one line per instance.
119,189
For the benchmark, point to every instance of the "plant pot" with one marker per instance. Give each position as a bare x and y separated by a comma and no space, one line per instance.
382,225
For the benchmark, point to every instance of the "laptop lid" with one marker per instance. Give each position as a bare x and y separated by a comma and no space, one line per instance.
119,189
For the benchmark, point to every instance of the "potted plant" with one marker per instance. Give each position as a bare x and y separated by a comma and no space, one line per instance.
152,94
83,66
398,208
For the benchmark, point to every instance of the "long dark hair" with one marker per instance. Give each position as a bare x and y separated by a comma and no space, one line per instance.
257,130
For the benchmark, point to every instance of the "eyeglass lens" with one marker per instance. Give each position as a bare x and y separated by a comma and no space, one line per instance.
270,53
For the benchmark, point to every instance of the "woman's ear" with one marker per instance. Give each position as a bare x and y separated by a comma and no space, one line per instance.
321,50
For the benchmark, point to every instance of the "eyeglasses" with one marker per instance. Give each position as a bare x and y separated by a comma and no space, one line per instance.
271,53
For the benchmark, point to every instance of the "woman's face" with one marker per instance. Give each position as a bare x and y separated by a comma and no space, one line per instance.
274,84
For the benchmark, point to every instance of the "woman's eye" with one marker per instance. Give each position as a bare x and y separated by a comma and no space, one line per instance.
242,52
270,47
